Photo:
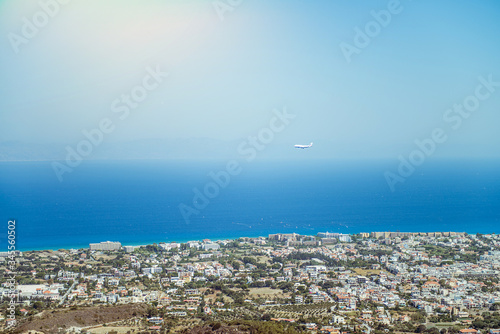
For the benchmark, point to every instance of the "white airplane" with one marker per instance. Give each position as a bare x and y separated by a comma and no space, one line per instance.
303,146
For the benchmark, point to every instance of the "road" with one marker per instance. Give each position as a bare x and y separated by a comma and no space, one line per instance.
68,292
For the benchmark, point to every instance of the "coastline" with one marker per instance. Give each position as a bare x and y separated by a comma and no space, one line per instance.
145,243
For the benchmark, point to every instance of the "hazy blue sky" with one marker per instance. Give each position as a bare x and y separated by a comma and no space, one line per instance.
226,76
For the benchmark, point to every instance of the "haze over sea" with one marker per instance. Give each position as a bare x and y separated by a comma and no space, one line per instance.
136,202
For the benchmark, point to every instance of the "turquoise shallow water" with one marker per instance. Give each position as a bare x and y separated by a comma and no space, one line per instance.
137,202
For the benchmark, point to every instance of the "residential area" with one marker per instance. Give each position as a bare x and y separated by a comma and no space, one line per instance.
378,282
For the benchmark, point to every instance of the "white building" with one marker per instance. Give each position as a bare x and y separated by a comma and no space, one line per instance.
106,246
130,249
210,246
152,270
193,244
345,238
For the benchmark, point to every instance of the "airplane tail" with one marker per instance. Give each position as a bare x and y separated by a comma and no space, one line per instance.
311,144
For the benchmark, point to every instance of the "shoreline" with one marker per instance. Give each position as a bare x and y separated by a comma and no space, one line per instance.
135,244
215,239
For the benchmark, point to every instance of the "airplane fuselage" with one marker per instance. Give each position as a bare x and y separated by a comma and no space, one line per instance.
303,146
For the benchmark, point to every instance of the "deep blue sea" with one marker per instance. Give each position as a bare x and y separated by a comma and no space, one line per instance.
137,202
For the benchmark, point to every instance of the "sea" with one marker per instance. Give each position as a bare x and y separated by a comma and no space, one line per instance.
139,202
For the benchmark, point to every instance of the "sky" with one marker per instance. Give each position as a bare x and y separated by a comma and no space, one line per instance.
224,66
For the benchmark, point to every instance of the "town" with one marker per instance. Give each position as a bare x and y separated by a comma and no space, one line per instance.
378,282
